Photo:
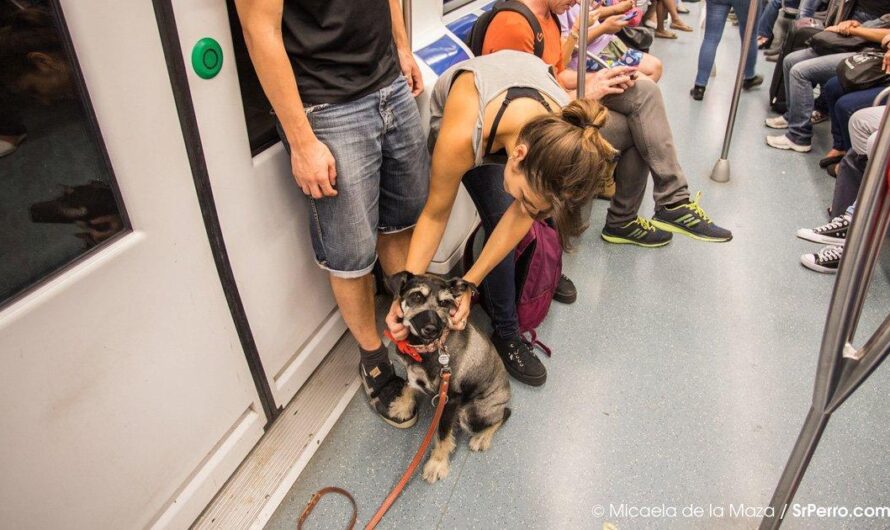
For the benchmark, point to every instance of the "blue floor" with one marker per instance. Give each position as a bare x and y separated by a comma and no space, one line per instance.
680,378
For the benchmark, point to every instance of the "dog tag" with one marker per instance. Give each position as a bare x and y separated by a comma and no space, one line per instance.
443,359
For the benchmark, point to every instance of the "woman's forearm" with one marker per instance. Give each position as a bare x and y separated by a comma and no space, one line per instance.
425,241
510,230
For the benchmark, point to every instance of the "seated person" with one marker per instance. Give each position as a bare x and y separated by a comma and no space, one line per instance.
768,19
604,43
557,159
803,70
646,142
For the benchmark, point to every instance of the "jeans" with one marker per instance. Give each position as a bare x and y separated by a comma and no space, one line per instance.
849,177
638,127
715,21
803,70
485,184
842,105
382,167
770,14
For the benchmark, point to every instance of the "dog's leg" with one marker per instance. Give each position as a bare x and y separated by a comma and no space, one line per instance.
481,440
437,466
403,406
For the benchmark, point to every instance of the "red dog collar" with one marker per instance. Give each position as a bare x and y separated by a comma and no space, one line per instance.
414,351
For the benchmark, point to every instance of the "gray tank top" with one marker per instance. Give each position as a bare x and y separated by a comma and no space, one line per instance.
494,74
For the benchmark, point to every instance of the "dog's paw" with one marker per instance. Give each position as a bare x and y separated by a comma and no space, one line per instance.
435,470
481,442
402,408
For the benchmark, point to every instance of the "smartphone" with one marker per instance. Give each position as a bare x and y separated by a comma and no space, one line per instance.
629,16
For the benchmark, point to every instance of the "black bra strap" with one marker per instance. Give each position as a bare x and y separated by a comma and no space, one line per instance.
513,93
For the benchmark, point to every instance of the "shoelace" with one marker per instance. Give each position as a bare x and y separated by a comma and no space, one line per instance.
831,253
837,222
645,224
696,208
514,357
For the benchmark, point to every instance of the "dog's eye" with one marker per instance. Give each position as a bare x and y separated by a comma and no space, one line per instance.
446,303
416,298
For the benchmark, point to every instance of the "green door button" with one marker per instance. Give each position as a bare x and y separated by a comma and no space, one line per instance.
207,58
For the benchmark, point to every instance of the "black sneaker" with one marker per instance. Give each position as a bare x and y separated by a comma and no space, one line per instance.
752,82
384,390
690,220
697,92
565,291
832,233
520,361
826,260
640,232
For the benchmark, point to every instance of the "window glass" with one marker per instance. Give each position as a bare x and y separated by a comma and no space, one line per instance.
451,5
257,109
57,193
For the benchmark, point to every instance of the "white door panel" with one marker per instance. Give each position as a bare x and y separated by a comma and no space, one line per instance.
123,384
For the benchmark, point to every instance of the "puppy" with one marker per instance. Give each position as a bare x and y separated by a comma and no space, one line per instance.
479,388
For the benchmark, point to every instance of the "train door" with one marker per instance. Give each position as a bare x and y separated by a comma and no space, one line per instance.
125,397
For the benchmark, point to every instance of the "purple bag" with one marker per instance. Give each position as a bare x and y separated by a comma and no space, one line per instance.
538,267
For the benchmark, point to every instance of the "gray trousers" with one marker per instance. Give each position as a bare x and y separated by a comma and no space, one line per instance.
638,127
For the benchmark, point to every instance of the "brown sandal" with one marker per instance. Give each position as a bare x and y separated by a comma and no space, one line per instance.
665,34
680,26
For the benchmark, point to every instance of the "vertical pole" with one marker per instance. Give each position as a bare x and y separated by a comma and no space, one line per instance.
720,173
406,14
582,48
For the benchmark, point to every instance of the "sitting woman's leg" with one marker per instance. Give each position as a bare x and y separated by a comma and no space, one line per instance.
831,93
651,67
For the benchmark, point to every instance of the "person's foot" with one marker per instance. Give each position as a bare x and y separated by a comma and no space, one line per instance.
9,143
387,396
831,158
819,117
752,82
697,92
650,23
827,260
833,232
691,220
565,293
785,143
520,360
680,26
776,122
832,170
683,10
640,232
762,42
665,34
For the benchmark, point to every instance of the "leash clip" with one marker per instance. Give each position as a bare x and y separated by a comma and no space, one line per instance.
435,399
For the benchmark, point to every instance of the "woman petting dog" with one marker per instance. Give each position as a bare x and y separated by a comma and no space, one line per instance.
486,109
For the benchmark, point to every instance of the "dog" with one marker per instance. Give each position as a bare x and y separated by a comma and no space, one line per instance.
479,389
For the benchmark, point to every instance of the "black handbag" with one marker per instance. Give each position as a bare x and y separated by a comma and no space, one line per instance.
862,70
829,42
639,38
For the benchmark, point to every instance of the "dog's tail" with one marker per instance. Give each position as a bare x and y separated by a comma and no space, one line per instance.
507,413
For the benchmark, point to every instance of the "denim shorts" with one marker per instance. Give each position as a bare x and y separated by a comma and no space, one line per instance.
383,172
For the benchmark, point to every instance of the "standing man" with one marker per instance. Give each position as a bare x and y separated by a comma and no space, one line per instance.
341,77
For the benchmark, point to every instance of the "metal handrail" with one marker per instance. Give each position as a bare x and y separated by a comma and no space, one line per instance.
837,376
720,173
582,48
406,14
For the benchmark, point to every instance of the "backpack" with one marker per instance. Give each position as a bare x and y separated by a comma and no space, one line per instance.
476,37
538,259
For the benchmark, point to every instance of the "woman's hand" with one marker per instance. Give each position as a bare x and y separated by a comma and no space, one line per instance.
394,321
460,314
886,64
607,82
614,24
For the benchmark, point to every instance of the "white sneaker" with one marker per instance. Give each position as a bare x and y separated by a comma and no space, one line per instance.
826,260
782,142
8,148
831,233
777,122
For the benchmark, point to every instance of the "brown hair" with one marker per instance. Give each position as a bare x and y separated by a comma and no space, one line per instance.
568,161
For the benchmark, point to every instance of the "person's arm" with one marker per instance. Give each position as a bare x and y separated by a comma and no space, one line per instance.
869,34
406,54
312,163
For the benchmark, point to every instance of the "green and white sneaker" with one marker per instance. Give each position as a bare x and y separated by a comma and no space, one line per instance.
640,232
690,220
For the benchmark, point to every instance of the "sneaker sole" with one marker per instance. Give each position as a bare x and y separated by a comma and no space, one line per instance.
815,267
664,225
407,424
818,238
622,241
790,146
565,299
530,381
776,127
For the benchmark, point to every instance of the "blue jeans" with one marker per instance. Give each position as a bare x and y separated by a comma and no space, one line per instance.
842,105
715,21
485,184
803,70
770,14
383,169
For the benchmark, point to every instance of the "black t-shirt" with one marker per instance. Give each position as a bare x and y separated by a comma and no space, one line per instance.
340,50
876,8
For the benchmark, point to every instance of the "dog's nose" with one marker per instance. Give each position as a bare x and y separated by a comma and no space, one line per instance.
429,331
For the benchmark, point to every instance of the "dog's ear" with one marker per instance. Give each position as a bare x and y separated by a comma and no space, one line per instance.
398,281
459,286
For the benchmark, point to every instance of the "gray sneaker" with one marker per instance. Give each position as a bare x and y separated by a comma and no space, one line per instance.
690,220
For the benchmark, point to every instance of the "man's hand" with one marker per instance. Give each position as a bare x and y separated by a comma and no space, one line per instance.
459,315
886,63
625,6
607,82
614,24
314,169
394,321
411,71
885,42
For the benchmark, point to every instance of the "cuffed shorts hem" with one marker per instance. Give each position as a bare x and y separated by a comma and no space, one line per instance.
394,229
347,275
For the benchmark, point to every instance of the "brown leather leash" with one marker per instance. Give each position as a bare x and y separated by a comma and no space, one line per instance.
397,490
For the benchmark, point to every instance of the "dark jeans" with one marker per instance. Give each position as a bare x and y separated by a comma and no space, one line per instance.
849,178
770,14
842,106
485,185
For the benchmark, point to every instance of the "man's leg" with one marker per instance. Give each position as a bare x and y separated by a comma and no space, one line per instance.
788,63
803,77
355,298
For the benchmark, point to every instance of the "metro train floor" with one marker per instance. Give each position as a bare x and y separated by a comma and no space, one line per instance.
680,378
